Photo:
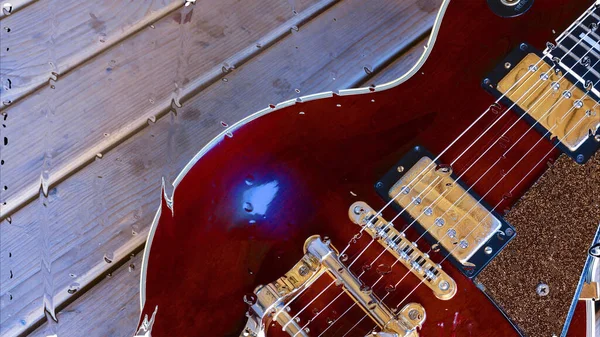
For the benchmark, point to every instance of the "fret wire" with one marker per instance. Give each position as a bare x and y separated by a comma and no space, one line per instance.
592,33
577,59
591,50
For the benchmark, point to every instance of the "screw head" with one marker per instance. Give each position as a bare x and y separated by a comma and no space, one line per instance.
542,289
523,47
580,158
444,285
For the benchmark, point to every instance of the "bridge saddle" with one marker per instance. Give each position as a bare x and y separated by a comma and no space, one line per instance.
271,302
419,263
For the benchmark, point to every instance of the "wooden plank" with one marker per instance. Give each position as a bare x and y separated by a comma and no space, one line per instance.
87,305
52,36
111,309
118,91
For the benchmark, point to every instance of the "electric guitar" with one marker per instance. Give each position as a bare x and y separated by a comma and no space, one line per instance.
459,200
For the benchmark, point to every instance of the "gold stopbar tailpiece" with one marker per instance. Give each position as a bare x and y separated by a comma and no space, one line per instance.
443,208
407,253
566,113
271,302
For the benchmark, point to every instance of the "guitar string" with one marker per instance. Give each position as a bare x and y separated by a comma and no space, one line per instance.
359,234
573,86
451,164
539,162
481,222
433,181
559,41
409,271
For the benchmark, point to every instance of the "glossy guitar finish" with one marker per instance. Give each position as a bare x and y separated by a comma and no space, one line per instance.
242,212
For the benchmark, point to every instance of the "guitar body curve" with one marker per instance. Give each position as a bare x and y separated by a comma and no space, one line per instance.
241,213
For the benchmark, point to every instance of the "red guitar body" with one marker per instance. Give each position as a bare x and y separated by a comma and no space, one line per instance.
240,215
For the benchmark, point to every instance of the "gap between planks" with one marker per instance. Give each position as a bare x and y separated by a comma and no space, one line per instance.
90,52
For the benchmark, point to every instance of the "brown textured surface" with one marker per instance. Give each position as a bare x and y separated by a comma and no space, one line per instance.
556,222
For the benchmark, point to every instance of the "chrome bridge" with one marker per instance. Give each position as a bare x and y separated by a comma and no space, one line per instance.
419,263
269,303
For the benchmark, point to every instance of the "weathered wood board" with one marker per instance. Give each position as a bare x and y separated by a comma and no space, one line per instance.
93,214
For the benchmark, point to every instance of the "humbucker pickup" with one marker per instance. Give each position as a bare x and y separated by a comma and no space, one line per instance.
419,263
450,215
548,95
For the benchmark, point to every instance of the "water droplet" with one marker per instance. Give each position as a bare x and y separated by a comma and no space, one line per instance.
248,207
224,79
463,244
108,257
250,299
367,70
390,288
152,26
72,275
7,8
73,287
366,267
440,222
365,289
544,77
405,189
555,86
315,311
443,169
578,104
567,94
384,269
131,267
294,29
428,211
252,222
249,180
417,200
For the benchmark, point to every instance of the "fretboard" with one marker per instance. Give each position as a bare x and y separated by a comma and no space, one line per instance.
578,50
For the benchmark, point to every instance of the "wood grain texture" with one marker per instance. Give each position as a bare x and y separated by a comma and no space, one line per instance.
125,198
66,34
118,91
110,309
86,305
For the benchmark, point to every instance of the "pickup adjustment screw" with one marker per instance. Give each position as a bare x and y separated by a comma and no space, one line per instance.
542,289
444,285
414,314
303,270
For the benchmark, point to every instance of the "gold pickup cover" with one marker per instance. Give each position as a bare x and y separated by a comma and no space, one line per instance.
569,116
444,209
